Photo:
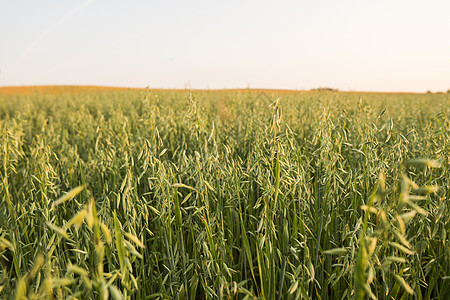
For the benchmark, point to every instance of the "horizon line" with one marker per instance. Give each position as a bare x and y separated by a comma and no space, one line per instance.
318,89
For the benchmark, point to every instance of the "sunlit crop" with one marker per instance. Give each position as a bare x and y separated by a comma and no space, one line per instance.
224,195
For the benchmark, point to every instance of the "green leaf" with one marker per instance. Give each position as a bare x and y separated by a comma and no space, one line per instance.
119,242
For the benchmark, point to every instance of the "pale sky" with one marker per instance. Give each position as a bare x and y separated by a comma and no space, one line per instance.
358,45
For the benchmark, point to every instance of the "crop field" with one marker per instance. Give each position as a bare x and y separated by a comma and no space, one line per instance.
234,194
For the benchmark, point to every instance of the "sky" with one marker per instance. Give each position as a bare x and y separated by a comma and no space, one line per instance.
354,45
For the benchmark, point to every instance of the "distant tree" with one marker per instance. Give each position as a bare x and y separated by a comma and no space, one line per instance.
325,89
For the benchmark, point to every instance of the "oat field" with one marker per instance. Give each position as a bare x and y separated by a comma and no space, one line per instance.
238,194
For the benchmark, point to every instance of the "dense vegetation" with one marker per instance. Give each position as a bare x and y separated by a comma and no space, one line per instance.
224,194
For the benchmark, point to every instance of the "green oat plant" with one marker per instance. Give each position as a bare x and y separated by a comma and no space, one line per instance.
224,195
